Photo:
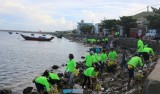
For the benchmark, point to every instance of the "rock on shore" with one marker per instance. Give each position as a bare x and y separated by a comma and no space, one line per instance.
153,81
5,91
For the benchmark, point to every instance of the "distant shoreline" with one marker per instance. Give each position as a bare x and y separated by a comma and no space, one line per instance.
19,31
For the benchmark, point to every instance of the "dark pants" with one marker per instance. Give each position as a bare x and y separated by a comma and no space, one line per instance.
86,78
39,87
146,56
96,64
131,73
111,69
101,66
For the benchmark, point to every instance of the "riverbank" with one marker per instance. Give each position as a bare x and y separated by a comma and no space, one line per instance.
115,84
118,86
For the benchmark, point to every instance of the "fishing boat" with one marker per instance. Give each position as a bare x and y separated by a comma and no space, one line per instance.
37,38
10,32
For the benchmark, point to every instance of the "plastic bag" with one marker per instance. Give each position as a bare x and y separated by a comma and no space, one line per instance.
76,72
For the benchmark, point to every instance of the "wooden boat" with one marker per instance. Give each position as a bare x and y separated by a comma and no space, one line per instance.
10,32
40,38
32,34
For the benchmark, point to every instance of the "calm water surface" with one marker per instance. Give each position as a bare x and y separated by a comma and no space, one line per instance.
21,61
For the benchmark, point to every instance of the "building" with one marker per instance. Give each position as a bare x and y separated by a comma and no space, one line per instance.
81,24
137,32
98,28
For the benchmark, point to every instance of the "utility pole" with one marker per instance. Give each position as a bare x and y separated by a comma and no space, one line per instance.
147,9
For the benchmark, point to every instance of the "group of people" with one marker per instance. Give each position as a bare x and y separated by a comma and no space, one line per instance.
95,62
144,57
43,83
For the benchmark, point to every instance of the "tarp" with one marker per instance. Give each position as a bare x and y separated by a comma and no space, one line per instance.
72,91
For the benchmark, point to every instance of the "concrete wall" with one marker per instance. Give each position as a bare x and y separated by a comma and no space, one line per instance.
152,84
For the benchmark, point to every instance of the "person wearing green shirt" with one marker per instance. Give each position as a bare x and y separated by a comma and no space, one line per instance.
88,74
140,47
146,53
96,59
89,59
71,65
112,55
52,77
111,65
132,64
103,59
42,83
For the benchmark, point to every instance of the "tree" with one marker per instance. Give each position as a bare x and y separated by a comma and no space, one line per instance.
86,29
127,22
110,23
154,21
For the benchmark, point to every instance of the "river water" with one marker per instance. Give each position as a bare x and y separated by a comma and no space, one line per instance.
21,61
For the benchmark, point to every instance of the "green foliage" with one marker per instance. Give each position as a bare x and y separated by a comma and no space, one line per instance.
127,22
86,29
154,21
110,23
74,31
156,10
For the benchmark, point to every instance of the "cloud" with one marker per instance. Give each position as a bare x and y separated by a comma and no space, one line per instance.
35,18
51,15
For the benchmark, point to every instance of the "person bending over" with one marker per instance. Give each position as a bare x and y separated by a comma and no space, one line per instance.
88,74
132,64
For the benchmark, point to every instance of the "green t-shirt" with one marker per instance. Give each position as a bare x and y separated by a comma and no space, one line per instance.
89,60
90,72
112,55
71,65
53,76
140,46
43,80
135,61
103,57
106,39
96,58
148,50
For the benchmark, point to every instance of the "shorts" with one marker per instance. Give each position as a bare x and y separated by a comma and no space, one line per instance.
39,87
145,56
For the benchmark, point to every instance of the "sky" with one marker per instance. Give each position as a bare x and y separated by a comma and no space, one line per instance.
57,15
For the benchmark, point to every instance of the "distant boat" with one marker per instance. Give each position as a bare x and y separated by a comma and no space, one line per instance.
17,33
39,38
10,32
32,34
